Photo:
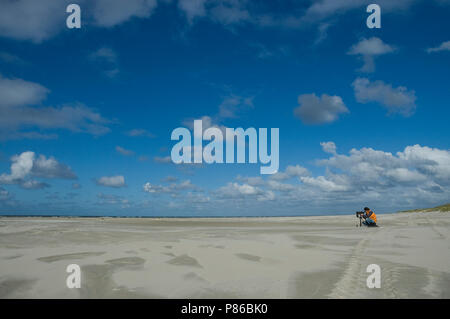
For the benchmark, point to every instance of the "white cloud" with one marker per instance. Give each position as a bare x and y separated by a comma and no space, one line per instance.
233,104
11,58
319,110
444,46
371,46
323,32
368,49
396,100
32,20
383,169
243,191
33,184
27,164
173,188
290,172
51,168
124,151
319,10
162,160
105,54
404,175
149,188
239,12
140,132
109,199
328,147
418,175
107,59
192,8
4,195
281,187
254,181
323,183
108,13
207,122
111,181
429,161
76,185
18,92
21,166
38,21
20,109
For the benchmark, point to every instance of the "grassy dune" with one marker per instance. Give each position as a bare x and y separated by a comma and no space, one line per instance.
442,208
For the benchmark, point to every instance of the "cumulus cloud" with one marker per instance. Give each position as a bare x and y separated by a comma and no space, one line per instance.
51,168
162,160
41,20
226,12
244,191
319,10
416,164
18,92
27,164
328,147
33,184
319,110
233,104
290,172
140,133
173,188
192,8
32,20
325,184
109,199
417,175
444,46
108,13
38,21
395,100
105,54
11,58
107,60
111,181
76,185
368,49
240,12
4,194
20,109
124,151
170,179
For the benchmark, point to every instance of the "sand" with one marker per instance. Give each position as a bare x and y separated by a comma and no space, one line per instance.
285,257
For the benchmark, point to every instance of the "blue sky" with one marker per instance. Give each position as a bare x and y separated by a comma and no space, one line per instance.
86,114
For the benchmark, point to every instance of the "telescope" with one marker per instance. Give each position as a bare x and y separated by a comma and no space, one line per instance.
360,216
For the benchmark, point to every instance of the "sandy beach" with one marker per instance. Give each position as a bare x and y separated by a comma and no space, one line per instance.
283,257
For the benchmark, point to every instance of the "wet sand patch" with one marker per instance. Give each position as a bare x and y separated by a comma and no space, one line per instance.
184,260
53,258
11,287
248,257
126,261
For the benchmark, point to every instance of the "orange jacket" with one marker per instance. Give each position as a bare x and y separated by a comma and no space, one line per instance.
373,216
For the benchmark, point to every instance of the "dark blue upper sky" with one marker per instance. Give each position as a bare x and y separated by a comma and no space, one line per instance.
86,114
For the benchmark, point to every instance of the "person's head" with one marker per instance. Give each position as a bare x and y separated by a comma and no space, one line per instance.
366,209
